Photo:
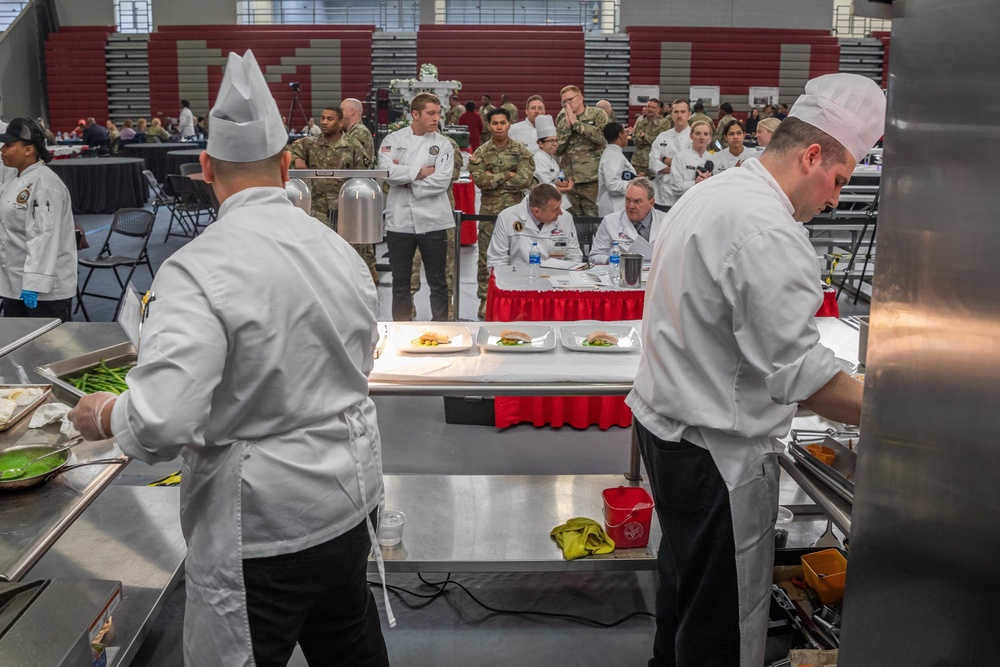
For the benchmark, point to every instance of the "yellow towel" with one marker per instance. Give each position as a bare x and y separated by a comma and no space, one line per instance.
581,537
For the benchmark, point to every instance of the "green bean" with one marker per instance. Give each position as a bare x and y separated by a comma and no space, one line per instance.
102,378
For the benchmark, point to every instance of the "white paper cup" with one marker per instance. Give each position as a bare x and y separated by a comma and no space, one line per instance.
390,528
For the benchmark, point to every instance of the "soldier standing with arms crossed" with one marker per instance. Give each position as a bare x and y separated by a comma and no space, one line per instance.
331,150
502,168
581,143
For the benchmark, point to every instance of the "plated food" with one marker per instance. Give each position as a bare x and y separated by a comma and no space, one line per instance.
601,339
510,337
609,338
431,339
525,338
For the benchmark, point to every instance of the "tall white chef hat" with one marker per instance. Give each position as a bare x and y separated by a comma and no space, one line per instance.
545,127
245,123
848,107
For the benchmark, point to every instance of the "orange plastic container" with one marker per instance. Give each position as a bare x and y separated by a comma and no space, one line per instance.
826,573
628,511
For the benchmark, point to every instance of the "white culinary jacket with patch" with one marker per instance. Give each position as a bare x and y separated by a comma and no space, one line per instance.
516,230
617,227
417,207
614,174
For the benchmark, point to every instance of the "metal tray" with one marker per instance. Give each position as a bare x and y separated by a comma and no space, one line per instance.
122,354
23,410
839,476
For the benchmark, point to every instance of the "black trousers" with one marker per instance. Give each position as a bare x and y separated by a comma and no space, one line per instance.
59,308
434,251
697,597
318,597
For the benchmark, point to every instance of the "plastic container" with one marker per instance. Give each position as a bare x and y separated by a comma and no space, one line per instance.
826,573
390,528
628,511
534,262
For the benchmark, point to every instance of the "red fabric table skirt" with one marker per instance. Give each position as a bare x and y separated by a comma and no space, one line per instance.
465,201
564,306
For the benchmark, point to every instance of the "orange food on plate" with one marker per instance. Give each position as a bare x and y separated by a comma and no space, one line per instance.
823,453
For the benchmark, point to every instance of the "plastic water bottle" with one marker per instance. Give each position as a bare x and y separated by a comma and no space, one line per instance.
534,261
615,262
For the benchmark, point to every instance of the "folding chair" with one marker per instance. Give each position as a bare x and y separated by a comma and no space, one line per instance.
586,229
189,168
190,205
131,222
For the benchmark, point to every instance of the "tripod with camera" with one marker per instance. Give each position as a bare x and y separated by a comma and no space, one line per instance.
294,106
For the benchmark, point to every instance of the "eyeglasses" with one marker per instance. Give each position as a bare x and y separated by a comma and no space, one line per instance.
550,141
570,99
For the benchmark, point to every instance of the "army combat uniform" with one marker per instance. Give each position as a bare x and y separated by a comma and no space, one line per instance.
484,111
360,133
512,110
580,150
500,190
449,265
454,113
643,135
321,152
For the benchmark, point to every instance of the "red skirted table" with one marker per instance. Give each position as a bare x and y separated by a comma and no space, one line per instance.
569,305
465,201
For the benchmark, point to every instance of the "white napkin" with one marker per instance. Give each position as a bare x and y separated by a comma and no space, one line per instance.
50,413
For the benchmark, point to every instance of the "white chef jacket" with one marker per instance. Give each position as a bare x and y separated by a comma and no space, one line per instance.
516,230
667,144
724,369
37,235
724,159
525,133
547,171
259,379
683,171
417,207
617,227
614,175
185,123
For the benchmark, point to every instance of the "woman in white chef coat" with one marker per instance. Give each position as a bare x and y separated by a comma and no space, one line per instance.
736,152
37,234
689,166
547,169
538,218
258,379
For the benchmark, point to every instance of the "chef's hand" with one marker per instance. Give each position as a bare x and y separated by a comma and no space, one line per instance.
92,415
425,172
29,298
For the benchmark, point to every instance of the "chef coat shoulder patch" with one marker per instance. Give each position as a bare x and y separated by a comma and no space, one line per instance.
627,175
22,197
518,226
435,149
386,148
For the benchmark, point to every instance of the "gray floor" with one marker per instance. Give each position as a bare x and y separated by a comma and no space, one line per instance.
453,630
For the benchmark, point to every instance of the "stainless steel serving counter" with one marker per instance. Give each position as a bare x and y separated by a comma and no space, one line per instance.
16,331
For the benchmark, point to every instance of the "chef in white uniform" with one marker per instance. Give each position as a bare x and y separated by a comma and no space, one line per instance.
729,350
690,166
538,218
735,152
547,169
638,218
666,146
37,232
418,212
253,367
525,132
614,172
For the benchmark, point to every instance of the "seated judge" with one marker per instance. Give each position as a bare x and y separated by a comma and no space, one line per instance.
538,218
638,218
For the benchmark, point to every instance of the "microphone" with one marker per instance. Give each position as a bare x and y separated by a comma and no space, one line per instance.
709,166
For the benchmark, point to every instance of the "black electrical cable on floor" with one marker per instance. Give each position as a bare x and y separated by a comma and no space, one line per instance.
441,588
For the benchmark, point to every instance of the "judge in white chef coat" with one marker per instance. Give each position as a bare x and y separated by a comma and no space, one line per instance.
37,233
538,218
728,351
637,219
253,367
614,172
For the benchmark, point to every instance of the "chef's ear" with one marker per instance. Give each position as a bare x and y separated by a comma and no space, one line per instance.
206,167
286,161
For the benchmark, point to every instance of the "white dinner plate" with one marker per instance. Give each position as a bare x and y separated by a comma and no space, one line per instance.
461,338
542,338
575,338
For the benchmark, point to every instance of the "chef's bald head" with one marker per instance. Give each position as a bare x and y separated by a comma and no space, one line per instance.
794,135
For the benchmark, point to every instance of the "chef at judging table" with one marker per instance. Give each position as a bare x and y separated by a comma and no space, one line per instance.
253,367
730,346
637,218
538,218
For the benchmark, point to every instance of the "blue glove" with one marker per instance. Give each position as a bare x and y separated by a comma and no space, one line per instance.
29,298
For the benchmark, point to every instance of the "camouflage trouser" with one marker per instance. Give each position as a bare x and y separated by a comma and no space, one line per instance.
449,270
483,273
583,200
366,250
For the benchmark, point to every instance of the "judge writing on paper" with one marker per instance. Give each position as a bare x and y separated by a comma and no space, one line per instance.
538,218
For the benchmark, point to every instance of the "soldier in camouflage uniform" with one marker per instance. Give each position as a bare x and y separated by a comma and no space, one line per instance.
644,132
355,129
485,107
449,265
505,103
581,143
455,111
330,150
502,168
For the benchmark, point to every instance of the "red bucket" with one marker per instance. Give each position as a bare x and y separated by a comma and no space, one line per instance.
628,511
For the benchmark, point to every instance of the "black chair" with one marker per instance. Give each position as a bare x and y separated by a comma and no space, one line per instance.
586,228
189,168
130,222
190,205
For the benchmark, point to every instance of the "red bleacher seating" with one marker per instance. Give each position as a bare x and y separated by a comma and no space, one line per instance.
77,75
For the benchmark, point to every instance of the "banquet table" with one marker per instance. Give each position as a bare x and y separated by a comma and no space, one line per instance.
465,201
155,155
513,297
176,158
103,185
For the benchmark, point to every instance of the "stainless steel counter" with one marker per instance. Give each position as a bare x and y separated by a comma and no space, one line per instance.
16,331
